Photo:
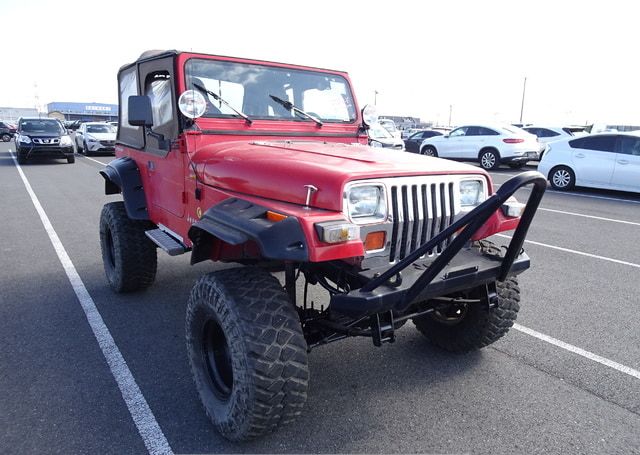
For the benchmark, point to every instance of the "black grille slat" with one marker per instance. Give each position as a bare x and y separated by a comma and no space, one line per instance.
416,218
425,216
394,229
405,222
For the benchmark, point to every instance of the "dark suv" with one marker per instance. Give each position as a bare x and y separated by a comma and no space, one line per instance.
43,137
7,131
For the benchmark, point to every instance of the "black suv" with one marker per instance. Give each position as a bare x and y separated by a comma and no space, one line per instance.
43,137
6,131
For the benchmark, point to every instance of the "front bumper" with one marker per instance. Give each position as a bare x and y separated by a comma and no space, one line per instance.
50,151
457,268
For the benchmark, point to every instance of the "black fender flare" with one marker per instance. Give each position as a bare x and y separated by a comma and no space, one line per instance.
123,176
236,221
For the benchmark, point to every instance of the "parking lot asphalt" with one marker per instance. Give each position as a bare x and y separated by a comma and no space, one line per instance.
523,394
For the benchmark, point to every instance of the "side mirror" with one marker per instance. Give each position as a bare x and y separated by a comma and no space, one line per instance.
139,111
140,114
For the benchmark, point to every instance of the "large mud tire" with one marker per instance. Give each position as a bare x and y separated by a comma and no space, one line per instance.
478,325
247,352
129,256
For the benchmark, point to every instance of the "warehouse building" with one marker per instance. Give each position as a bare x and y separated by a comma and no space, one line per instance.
86,112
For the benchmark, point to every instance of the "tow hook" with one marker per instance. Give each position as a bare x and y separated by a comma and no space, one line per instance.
491,295
382,328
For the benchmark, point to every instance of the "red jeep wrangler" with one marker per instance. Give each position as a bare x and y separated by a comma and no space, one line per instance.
267,165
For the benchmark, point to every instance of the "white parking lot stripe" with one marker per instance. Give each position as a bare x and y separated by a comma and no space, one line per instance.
145,421
589,216
576,350
589,196
95,161
581,253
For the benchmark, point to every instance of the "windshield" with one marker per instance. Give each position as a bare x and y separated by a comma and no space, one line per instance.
377,131
247,88
41,126
100,129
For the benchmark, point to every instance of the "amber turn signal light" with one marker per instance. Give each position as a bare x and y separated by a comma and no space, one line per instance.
374,241
275,217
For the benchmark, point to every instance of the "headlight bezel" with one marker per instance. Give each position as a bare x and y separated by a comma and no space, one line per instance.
379,215
24,139
66,141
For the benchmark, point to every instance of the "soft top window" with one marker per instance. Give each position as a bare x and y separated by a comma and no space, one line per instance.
250,88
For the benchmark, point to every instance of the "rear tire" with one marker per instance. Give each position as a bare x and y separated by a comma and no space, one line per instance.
6,137
247,352
129,256
476,325
489,159
562,178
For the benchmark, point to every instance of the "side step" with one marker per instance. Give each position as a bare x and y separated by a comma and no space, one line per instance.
170,245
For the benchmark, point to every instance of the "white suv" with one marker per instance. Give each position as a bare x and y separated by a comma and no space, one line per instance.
489,145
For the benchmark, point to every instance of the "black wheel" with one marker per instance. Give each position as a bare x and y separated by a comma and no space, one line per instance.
467,327
247,352
429,150
129,256
79,149
6,137
489,159
562,178
519,165
71,159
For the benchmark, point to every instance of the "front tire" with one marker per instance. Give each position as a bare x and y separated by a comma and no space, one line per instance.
71,159
562,178
489,159
129,256
474,326
247,352
21,156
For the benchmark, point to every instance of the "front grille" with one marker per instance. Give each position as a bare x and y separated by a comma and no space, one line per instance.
419,212
108,143
46,141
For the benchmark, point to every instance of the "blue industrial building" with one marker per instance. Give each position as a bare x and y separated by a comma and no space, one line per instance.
88,112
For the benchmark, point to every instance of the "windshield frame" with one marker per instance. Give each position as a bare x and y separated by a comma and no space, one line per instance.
352,108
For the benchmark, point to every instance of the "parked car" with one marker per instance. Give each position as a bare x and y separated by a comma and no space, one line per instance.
608,161
489,145
380,137
7,131
546,134
42,137
413,142
93,137
391,127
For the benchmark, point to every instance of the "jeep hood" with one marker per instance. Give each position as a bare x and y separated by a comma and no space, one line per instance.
281,169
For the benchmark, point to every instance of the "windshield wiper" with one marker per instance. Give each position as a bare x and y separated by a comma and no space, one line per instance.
218,98
289,105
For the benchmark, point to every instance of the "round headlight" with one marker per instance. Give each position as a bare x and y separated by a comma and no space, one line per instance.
369,115
192,104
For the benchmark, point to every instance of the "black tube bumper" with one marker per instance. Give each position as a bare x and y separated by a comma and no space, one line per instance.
469,269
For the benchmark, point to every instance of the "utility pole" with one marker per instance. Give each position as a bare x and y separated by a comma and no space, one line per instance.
450,110
375,97
524,88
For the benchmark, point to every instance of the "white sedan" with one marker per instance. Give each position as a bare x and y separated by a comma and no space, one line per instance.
607,161
489,145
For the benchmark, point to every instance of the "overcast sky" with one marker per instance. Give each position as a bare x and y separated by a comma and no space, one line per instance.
579,57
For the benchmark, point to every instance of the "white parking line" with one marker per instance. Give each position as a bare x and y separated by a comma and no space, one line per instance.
581,253
576,350
589,196
151,433
589,216
91,159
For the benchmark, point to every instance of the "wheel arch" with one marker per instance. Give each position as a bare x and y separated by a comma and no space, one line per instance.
490,148
237,221
123,176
